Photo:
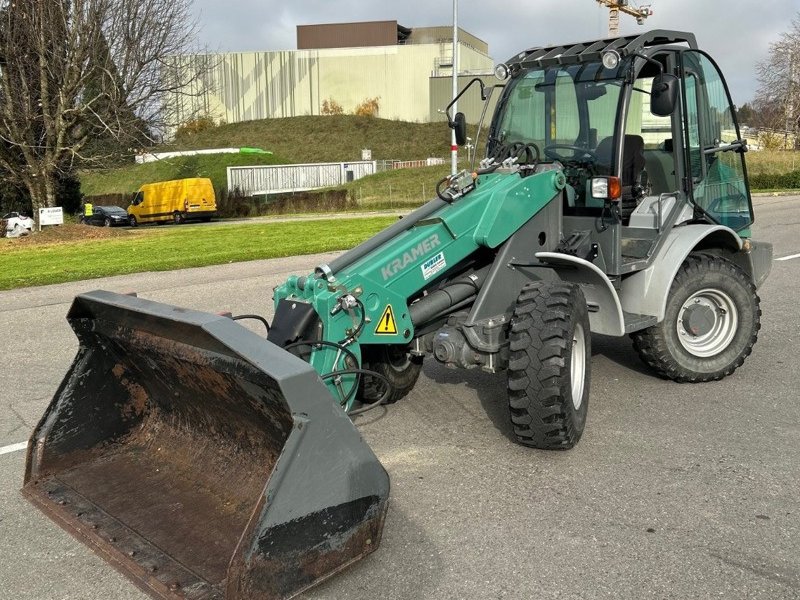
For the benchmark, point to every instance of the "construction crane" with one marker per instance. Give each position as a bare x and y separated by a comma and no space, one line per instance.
617,6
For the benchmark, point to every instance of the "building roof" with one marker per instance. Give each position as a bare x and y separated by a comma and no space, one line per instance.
379,33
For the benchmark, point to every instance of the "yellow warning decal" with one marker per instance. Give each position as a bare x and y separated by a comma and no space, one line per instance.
387,325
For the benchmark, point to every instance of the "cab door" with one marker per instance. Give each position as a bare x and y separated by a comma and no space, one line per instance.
716,174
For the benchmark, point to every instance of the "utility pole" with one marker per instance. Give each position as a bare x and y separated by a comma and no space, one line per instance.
617,6
453,145
789,105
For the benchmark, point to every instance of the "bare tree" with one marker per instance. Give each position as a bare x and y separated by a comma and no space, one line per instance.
75,71
777,101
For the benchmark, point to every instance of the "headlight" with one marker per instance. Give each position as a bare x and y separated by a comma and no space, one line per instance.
610,59
606,188
501,72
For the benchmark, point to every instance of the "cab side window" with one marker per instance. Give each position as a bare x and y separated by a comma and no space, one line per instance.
656,135
717,170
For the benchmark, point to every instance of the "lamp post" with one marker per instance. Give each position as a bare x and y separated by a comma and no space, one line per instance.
453,145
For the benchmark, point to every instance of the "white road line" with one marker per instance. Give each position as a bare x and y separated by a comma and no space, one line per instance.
790,257
13,448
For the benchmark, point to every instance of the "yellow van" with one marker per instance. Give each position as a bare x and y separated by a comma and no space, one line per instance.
175,201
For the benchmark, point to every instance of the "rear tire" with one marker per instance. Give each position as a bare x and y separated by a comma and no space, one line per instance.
549,369
132,221
393,362
178,217
710,324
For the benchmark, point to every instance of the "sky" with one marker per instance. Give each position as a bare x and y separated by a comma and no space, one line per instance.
737,33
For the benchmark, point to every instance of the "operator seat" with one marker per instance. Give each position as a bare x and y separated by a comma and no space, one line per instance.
632,168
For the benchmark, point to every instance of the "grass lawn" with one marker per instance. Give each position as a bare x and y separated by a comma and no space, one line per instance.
167,248
397,188
772,161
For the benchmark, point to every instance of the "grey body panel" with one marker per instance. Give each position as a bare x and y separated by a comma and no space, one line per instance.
645,292
516,264
649,215
759,261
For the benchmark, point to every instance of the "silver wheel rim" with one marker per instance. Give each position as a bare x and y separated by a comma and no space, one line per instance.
578,365
723,319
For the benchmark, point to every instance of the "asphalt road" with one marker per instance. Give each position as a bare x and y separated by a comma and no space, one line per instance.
675,491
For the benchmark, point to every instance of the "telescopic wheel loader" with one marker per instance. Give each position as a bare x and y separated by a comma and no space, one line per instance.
205,462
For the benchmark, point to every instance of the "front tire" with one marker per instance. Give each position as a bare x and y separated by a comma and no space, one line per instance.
549,370
393,362
132,221
710,324
107,222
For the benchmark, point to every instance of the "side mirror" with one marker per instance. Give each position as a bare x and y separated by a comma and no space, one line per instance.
664,95
460,126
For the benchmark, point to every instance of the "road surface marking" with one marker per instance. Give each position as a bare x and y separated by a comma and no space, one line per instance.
791,256
13,448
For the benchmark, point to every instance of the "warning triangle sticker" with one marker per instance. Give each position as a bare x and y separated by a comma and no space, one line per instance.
387,325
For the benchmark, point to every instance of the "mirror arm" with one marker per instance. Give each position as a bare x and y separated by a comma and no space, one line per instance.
447,108
651,60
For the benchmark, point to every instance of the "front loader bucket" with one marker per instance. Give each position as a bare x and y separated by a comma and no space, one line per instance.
199,459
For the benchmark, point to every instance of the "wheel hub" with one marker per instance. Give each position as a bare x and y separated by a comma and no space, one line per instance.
397,357
699,318
707,322
578,365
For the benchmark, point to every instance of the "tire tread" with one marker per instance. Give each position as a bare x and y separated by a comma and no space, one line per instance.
539,349
651,343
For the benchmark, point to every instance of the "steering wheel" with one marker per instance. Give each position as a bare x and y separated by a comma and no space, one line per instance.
578,153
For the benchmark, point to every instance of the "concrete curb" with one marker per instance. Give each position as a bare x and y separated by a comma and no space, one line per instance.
773,194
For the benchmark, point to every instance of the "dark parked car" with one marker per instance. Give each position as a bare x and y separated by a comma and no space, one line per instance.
107,216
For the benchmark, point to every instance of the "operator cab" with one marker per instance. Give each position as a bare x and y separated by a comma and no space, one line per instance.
645,131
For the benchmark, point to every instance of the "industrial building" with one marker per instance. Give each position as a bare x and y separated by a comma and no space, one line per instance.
345,63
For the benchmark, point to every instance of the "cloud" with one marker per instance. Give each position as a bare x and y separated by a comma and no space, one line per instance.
735,32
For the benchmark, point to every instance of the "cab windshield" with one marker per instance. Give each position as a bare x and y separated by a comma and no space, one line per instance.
569,112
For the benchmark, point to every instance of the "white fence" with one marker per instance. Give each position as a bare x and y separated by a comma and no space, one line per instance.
277,179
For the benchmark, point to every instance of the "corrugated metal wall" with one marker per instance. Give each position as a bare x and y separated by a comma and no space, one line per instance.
279,179
262,85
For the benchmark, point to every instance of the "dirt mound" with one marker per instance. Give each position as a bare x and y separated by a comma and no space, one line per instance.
69,232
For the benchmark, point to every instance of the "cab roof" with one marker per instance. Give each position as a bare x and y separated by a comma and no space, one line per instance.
591,51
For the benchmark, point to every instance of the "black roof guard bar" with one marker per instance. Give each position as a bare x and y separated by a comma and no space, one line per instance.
594,49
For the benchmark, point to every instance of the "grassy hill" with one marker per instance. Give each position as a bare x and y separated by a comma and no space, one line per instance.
327,138
292,140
